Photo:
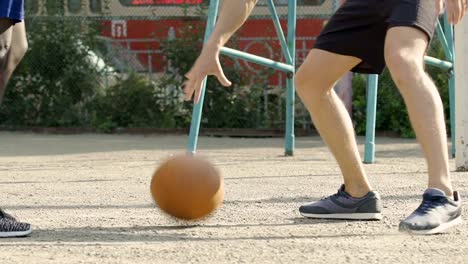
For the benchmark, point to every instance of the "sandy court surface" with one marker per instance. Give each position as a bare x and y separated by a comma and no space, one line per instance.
88,199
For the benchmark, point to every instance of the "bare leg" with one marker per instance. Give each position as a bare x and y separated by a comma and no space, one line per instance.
6,27
314,83
404,53
13,46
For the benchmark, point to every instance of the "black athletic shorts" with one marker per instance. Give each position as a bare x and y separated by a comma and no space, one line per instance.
359,28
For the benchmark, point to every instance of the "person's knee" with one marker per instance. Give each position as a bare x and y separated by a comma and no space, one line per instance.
10,57
18,52
318,74
312,89
23,47
19,45
308,82
404,66
300,81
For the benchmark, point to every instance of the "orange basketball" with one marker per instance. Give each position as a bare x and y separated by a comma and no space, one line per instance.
187,187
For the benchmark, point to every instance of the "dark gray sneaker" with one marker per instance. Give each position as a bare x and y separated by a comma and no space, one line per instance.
10,227
436,214
342,206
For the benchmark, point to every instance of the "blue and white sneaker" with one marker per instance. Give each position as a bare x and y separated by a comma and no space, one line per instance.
10,227
343,206
436,214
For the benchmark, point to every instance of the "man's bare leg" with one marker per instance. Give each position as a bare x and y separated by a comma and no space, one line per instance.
404,53
314,83
441,208
13,46
6,27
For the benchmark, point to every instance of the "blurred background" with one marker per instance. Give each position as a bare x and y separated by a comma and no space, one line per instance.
111,65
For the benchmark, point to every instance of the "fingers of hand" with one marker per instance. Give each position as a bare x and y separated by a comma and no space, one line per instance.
452,12
222,78
458,11
452,18
193,87
189,88
452,8
198,90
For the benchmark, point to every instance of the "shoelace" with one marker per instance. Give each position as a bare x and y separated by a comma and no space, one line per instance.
429,203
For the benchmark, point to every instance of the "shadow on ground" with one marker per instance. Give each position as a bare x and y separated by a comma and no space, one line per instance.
271,200
169,233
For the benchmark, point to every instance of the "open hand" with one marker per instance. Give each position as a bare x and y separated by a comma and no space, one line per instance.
206,64
455,9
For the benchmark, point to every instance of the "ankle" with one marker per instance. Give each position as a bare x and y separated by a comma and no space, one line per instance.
357,191
445,187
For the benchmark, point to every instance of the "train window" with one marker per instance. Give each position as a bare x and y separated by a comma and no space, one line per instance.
74,6
31,7
55,7
159,2
95,6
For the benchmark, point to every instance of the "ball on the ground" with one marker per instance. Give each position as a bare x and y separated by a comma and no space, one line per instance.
187,187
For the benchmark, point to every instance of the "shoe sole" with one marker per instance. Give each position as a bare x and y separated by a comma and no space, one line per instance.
440,229
16,234
353,216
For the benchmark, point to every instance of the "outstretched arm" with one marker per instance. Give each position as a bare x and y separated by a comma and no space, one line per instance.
232,15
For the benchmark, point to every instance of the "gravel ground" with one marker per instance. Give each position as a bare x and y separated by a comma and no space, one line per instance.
88,199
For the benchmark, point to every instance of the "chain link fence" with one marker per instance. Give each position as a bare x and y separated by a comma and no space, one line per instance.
109,64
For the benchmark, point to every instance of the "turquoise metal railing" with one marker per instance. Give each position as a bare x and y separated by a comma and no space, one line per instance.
288,48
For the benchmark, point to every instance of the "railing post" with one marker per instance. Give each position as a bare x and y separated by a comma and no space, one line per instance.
290,91
448,30
198,108
371,113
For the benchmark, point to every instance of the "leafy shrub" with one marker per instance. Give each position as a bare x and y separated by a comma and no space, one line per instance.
56,80
58,86
134,101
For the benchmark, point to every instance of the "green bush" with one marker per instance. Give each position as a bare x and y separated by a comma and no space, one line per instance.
56,80
58,86
134,101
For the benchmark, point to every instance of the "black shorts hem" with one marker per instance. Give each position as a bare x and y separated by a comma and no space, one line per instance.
339,51
14,18
429,33
14,21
